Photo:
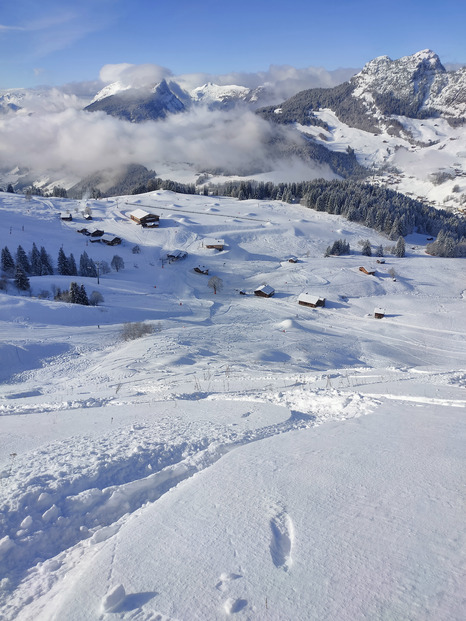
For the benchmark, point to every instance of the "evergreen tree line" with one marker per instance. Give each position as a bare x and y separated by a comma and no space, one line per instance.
39,263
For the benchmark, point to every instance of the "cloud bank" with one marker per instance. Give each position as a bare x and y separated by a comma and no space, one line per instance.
61,140
75,143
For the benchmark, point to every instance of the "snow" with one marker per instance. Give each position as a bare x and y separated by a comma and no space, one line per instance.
250,458
428,146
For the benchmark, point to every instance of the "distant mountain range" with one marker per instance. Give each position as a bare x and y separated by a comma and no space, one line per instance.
380,124
154,103
416,86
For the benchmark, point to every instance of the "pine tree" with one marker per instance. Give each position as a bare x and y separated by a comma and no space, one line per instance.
400,248
8,264
62,263
74,293
21,279
35,260
83,296
379,251
72,265
87,266
22,260
46,262
366,248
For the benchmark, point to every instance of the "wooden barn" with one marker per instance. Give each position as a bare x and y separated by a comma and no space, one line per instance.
176,255
97,233
144,218
369,272
217,244
110,240
264,291
307,299
379,313
201,269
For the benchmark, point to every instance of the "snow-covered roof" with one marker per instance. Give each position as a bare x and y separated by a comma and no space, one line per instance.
267,289
379,311
309,298
139,213
214,242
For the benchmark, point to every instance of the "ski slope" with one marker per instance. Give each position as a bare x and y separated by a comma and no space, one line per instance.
250,459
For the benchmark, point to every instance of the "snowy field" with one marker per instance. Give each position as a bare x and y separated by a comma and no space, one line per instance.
251,458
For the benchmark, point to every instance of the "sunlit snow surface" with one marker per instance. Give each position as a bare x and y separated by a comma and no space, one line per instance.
253,458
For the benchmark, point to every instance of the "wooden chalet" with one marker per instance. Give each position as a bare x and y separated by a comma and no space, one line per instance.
313,301
264,291
369,272
201,269
97,233
217,244
176,255
379,313
110,240
144,218
83,231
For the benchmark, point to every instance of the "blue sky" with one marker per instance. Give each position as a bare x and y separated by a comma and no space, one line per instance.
55,42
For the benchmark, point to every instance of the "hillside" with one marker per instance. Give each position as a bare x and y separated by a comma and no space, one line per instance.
251,456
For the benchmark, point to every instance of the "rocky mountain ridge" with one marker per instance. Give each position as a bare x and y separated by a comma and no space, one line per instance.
416,86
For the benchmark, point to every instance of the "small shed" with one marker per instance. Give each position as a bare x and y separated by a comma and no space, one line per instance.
380,261
201,269
217,244
144,218
264,291
97,233
87,216
68,217
369,272
292,259
379,313
307,299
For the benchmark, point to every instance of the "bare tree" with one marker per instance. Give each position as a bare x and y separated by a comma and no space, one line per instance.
215,283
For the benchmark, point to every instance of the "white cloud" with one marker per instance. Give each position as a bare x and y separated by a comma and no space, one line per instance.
79,143
136,76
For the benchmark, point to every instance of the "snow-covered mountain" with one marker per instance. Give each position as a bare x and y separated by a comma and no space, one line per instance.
216,96
139,104
417,86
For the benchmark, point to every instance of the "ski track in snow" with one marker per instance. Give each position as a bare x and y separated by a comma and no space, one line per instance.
67,505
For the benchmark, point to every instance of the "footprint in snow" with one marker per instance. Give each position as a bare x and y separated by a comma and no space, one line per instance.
282,540
231,605
225,579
